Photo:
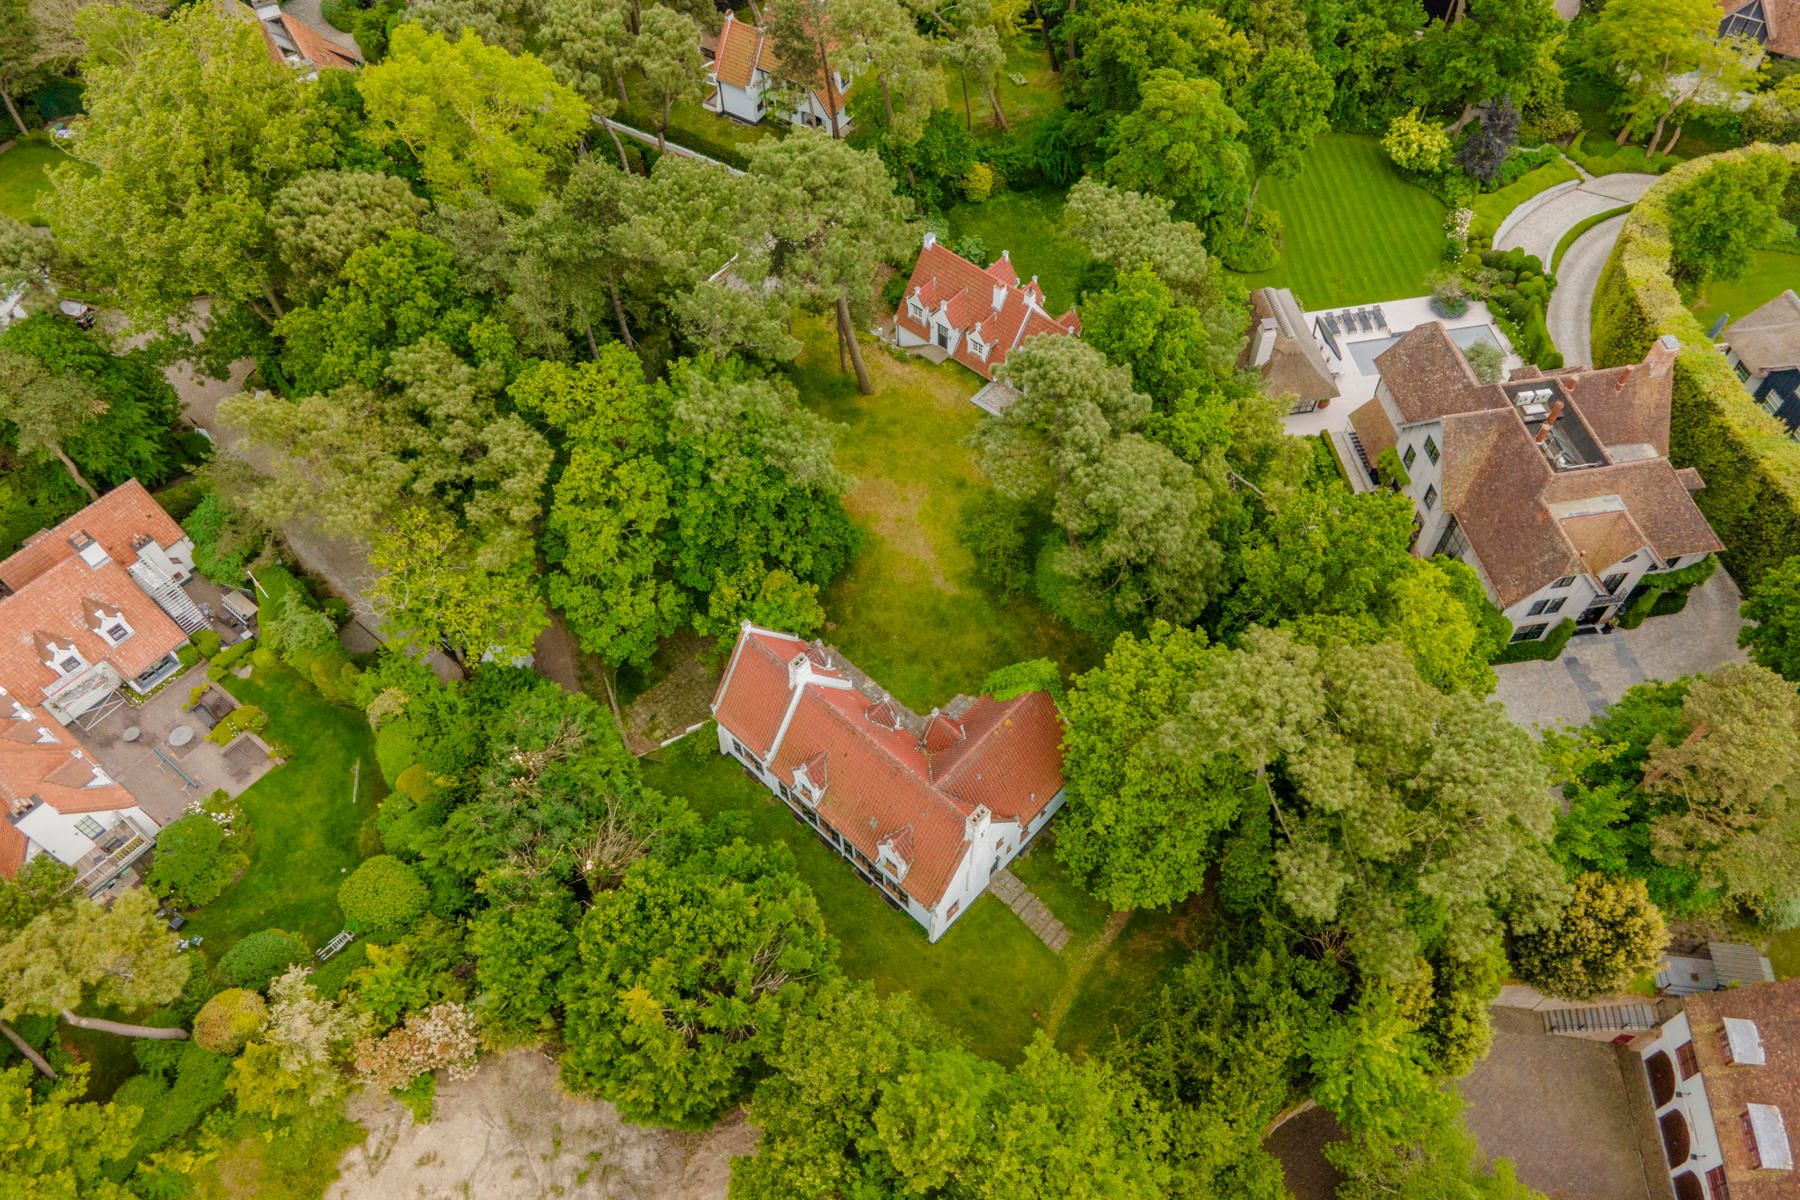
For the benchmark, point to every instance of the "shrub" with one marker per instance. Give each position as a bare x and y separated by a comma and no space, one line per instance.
257,958
1254,247
893,292
415,783
971,247
206,641
1610,933
1640,607
172,1108
396,748
383,897
1752,469
193,862
195,695
188,655
234,653
442,1037
1485,360
246,718
1545,649
1449,299
264,659
230,1019
1418,144
978,182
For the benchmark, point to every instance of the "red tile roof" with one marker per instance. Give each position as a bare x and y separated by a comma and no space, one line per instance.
1775,1010
57,606
988,300
744,48
889,777
116,520
40,761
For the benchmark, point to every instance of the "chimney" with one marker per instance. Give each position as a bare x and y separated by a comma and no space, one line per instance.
930,239
1550,422
91,552
1263,347
1662,355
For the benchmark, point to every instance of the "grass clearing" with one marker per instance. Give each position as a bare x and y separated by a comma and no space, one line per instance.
1029,226
1495,207
301,817
1353,230
909,609
23,184
1771,273
1153,945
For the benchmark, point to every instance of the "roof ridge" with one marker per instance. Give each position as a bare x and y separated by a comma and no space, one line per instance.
950,802
973,746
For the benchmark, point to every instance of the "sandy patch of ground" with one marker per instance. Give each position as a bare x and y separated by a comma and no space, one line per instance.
511,1133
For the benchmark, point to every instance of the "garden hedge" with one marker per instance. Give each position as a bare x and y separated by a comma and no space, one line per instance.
1751,466
257,958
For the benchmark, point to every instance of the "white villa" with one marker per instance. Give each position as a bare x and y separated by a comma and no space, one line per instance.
925,808
1554,487
744,73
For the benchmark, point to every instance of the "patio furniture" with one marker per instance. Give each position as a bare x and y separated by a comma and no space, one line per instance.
132,733
181,735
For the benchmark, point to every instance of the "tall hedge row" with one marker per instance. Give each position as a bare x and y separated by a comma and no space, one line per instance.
1751,466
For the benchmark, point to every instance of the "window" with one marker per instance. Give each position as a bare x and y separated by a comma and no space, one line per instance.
1430,497
1743,373
1431,450
1631,558
1614,582
116,632
1529,633
88,827
954,909
1750,1145
1716,1185
70,665
1564,582
1410,457
1684,1058
1541,608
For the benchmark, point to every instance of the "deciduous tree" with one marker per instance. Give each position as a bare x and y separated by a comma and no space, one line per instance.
120,955
475,116
1284,103
60,1147
1185,144
431,589
1609,935
1774,606
1720,217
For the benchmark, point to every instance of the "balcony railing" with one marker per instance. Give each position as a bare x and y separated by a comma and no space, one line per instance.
118,848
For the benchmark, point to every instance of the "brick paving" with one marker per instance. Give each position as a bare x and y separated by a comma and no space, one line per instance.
1034,912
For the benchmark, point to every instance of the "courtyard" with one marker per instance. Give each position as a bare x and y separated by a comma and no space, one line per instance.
160,752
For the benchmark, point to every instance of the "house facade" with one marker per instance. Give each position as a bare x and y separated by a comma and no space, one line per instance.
1286,353
1773,25
60,801
747,78
96,605
1555,488
1763,347
925,808
1724,1081
975,315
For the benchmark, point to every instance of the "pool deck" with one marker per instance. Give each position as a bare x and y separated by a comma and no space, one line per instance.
1356,388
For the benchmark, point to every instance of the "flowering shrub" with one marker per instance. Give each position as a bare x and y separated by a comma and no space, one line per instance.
441,1037
1456,232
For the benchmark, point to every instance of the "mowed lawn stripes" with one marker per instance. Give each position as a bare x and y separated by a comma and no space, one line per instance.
1353,230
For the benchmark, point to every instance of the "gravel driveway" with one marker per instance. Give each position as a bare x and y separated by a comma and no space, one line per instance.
1539,224
1570,316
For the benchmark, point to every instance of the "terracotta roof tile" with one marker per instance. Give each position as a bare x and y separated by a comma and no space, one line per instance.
1373,429
1604,539
990,299
1492,477
880,780
315,47
1775,1010
115,520
1625,406
1429,378
1653,492
46,764
50,607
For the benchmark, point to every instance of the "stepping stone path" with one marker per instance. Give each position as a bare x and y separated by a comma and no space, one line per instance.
1037,916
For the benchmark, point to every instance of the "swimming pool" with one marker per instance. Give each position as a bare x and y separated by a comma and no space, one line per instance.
1363,353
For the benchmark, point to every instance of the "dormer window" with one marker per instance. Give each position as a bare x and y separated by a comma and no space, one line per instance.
115,630
1765,1138
1741,1043
915,308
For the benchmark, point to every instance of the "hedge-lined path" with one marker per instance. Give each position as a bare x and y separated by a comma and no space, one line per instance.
1595,670
1570,316
1537,225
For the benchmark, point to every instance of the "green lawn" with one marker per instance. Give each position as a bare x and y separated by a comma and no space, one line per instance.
301,816
1029,226
23,182
989,978
1038,96
1771,272
1153,945
1353,231
909,610
1493,208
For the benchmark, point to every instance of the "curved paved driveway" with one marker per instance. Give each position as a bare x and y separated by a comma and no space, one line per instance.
1570,315
1539,224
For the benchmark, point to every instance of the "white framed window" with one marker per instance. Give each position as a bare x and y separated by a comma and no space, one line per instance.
1431,496
89,828
69,663
116,630
1529,633
1431,450
1564,582
1410,457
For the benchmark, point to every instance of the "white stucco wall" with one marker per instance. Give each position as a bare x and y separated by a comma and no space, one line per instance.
1690,1100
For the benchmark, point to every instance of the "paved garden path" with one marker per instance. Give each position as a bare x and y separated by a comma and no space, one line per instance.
1570,315
1595,670
311,12
1037,916
1538,225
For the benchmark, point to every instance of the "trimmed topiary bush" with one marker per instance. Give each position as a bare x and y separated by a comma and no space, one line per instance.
415,783
1751,466
396,748
230,1019
244,718
383,897
206,641
1545,649
257,958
